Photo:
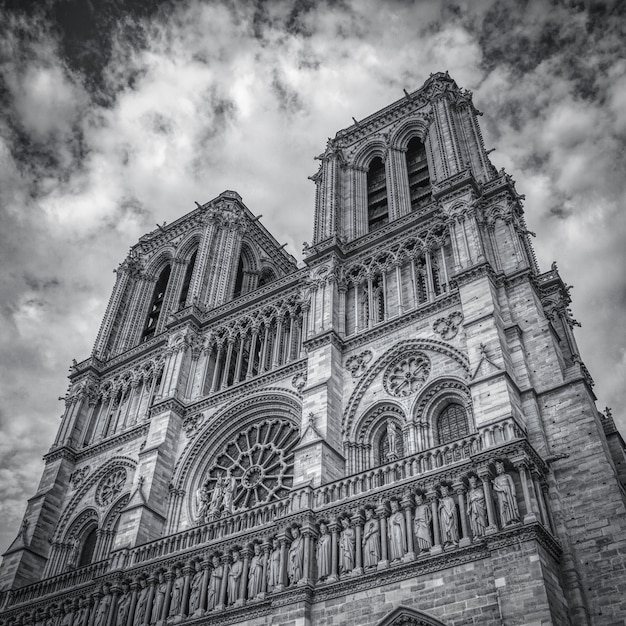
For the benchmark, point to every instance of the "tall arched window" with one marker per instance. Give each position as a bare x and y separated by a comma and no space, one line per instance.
377,208
88,548
451,424
266,276
419,178
158,296
182,300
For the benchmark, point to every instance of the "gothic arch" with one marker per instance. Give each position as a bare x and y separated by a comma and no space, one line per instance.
188,246
263,424
404,132
404,616
375,147
155,266
434,398
90,483
408,346
255,407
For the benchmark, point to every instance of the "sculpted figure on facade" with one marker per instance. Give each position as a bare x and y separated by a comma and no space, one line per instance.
234,578
103,609
202,504
80,618
123,607
392,439
72,559
421,524
159,600
476,508
346,546
68,615
215,582
505,492
371,539
195,590
177,594
142,603
255,573
397,533
295,559
228,487
448,517
273,567
324,553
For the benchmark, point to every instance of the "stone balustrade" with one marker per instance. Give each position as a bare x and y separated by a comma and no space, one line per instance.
315,538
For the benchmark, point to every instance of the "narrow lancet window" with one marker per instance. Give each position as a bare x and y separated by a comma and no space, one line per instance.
377,208
156,306
182,300
419,178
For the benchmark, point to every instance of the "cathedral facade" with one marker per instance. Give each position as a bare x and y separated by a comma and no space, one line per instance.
399,431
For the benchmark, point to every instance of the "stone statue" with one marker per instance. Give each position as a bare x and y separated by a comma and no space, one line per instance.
421,524
68,616
72,559
505,492
229,484
202,503
123,607
273,567
103,609
215,582
392,437
81,613
159,600
196,589
371,540
295,558
142,603
397,533
476,508
346,547
216,500
177,594
234,577
448,518
255,573
324,553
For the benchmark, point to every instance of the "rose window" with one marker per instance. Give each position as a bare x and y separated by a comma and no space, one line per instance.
110,486
407,375
253,468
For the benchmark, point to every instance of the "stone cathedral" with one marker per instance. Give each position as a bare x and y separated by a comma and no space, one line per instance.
399,431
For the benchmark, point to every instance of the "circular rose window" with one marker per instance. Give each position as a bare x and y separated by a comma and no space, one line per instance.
110,486
253,468
406,375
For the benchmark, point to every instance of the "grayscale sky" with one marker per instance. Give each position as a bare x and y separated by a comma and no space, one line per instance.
117,115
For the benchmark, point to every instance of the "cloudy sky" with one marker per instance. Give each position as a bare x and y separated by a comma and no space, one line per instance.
117,115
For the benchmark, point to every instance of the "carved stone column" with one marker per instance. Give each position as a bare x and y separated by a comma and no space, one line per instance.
357,522
333,527
224,585
243,581
530,516
188,572
169,577
406,505
485,477
115,592
134,592
282,540
432,498
307,578
381,511
205,584
459,488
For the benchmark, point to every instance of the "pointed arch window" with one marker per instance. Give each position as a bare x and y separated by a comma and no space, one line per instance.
377,206
182,300
419,178
156,306
266,276
452,424
89,547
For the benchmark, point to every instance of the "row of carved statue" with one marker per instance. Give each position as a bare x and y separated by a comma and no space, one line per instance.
348,544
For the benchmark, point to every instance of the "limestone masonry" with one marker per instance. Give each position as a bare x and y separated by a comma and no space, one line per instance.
400,432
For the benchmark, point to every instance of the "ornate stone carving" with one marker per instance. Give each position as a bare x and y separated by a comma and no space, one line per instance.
254,468
273,567
234,576
371,539
346,547
77,476
357,364
407,375
448,327
476,508
421,524
505,492
295,557
448,518
324,553
255,573
110,486
299,380
215,582
192,423
397,533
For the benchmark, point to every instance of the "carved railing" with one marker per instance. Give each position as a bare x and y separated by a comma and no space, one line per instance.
451,474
